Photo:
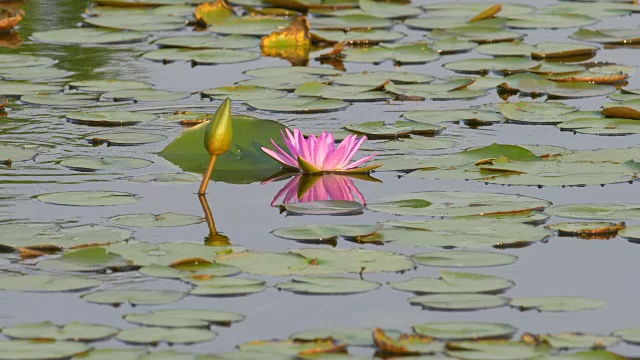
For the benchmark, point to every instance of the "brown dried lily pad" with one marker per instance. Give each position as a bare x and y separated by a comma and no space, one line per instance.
10,18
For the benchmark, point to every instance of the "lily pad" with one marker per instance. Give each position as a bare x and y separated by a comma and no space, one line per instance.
454,282
165,254
134,297
350,22
77,36
471,8
155,335
586,229
103,86
144,95
347,93
356,37
46,283
388,10
558,303
59,100
451,204
12,61
506,49
417,53
205,57
242,93
164,178
75,331
187,273
169,219
288,71
452,331
92,259
57,237
505,64
90,164
596,211
207,42
109,118
375,78
32,73
608,36
325,232
138,22
578,340
602,126
351,337
324,207
36,350
125,138
16,153
327,285
378,129
227,287
549,21
461,115
89,198
185,318
459,302
554,50
496,350
464,259
307,105
317,262
18,88
631,335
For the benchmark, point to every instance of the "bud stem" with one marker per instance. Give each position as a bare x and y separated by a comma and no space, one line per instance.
207,175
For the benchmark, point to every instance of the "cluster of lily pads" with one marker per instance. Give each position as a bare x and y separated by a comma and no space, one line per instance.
84,258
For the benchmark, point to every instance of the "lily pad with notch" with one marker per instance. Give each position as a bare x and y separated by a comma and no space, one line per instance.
190,272
505,65
144,95
557,303
89,198
587,229
59,100
88,36
47,283
596,211
92,259
454,282
254,26
356,37
105,163
54,237
343,92
185,318
27,349
459,302
349,336
138,22
124,138
201,56
323,207
74,331
224,286
32,73
464,258
380,130
103,86
207,42
169,219
416,53
166,254
20,88
325,232
350,22
243,93
549,21
327,285
375,78
155,335
10,153
110,118
306,105
452,331
134,297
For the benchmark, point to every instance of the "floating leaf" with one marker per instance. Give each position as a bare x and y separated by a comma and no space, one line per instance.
204,57
227,286
134,297
154,335
144,95
138,22
495,349
184,318
89,164
631,335
463,259
16,153
482,65
242,93
417,53
124,138
89,198
17,88
602,126
349,22
506,49
75,331
26,349
596,211
452,331
57,237
351,337
558,303
454,282
356,37
92,259
59,100
103,86
324,207
109,118
459,302
586,229
208,42
317,262
88,36
257,26
577,340
166,254
13,61
46,283
464,115
554,50
327,285
169,219
198,271
347,93
325,232
470,8
549,21
378,129
32,73
375,78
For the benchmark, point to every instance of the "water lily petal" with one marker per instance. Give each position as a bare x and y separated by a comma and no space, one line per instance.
357,163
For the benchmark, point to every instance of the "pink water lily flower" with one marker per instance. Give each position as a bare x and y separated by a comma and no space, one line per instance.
320,154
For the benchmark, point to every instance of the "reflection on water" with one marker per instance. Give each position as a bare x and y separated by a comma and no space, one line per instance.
214,238
305,188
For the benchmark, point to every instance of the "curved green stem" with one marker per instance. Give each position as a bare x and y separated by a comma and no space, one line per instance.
207,175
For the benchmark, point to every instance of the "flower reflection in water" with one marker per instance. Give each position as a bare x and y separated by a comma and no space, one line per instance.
306,188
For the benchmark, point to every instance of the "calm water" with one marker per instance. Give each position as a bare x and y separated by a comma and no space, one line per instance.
562,266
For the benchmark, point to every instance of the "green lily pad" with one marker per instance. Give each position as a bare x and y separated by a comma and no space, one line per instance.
89,164
452,331
207,42
347,93
164,178
258,26
46,283
109,118
134,297
459,302
449,22
124,138
169,219
369,36
165,254
92,259
478,33
17,88
375,78
464,259
138,22
285,82
327,285
596,211
442,116
144,95
325,232
185,318
307,105
13,61
243,93
75,331
59,100
506,49
32,73
632,233
388,10
608,36
453,89
505,64
462,233
378,129
452,45
155,335
89,198
602,126
103,86
595,9
454,282
281,349
57,237
554,50
83,36
227,287
112,353
244,162
417,53
205,57
533,84
323,207
631,335
416,144
526,112
348,22
351,337
16,153
470,9
38,350
288,71
317,262
496,350
190,272
549,21
451,204
558,303
578,340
